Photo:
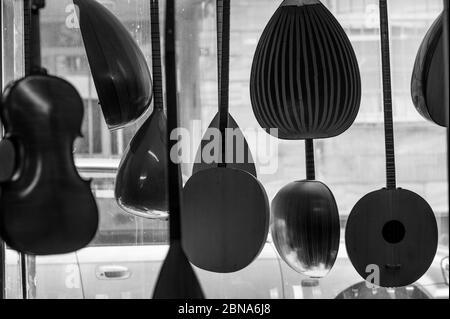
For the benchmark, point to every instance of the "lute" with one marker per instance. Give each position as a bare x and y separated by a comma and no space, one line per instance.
392,229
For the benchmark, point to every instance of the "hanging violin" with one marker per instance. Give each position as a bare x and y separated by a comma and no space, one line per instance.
119,69
393,229
45,207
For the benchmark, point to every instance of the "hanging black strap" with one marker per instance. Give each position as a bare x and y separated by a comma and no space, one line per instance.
156,55
387,96
172,122
223,65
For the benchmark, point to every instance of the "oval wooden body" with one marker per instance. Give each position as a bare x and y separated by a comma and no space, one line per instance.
305,227
46,208
119,69
305,78
427,82
401,262
141,181
242,157
225,219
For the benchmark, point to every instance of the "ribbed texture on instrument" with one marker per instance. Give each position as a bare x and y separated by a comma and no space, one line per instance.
305,78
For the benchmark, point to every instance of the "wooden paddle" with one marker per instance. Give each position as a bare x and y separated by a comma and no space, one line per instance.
226,211
236,148
177,279
393,229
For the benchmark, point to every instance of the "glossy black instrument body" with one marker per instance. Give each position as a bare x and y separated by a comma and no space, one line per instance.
394,229
305,227
119,69
46,208
427,82
141,182
305,223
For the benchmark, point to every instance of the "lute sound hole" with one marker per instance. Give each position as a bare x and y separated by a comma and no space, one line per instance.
393,232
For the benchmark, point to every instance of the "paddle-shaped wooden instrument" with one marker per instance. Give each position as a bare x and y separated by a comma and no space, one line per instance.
140,187
177,279
427,81
45,207
226,211
119,69
237,153
305,223
392,229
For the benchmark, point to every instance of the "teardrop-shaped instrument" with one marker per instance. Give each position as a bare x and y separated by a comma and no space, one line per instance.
305,78
305,223
119,69
305,82
427,81
140,187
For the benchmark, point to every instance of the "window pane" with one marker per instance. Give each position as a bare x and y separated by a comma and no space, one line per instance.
351,164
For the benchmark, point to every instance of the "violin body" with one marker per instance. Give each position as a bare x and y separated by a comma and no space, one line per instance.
396,230
45,208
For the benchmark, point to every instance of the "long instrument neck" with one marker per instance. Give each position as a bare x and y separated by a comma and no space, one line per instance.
32,36
156,55
387,97
223,65
172,123
309,154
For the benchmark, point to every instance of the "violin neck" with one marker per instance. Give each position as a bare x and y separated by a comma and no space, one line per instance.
387,97
32,36
156,55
